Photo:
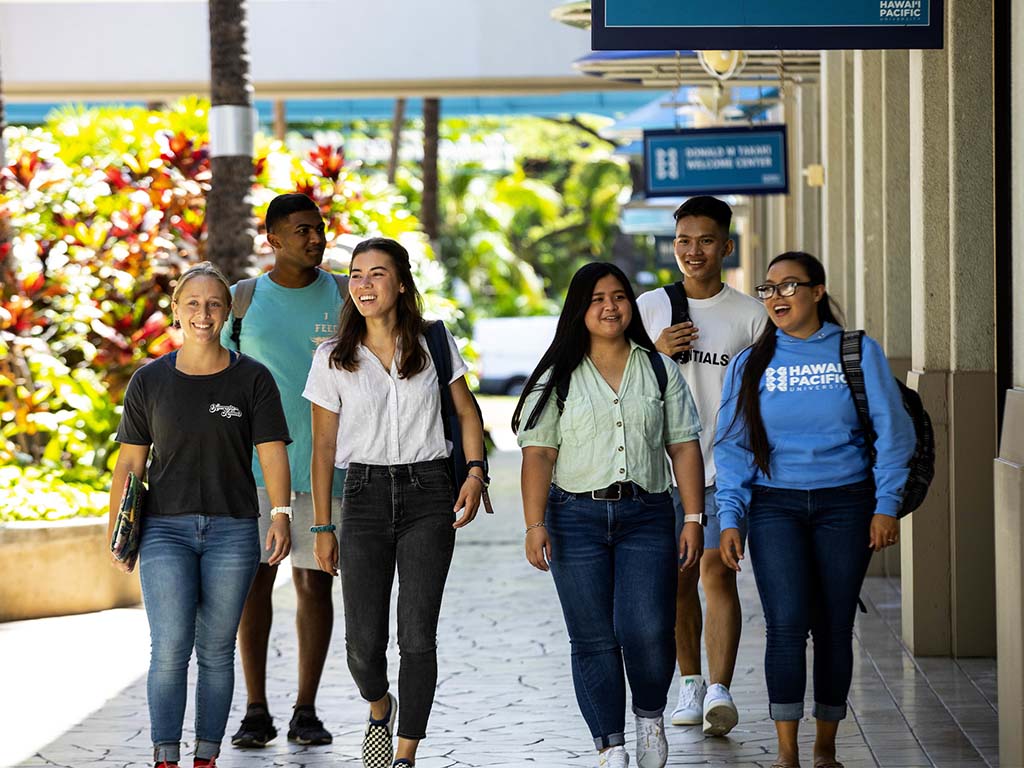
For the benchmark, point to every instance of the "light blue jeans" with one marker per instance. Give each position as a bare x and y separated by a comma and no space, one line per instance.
196,572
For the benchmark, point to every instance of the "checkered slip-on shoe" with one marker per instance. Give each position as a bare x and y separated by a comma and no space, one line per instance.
378,751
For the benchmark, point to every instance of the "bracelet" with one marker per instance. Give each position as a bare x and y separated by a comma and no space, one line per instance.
478,478
281,511
531,526
329,528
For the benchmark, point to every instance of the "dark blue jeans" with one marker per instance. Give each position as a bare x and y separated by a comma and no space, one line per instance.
810,552
614,565
196,572
396,517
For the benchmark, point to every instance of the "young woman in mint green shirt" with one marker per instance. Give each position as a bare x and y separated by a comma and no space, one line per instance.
596,497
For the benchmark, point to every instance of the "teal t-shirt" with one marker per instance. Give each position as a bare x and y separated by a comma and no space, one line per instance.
282,329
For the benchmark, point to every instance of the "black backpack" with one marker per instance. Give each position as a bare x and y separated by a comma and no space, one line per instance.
922,463
440,353
242,298
680,313
657,363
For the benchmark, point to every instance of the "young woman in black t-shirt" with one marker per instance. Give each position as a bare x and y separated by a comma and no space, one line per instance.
196,415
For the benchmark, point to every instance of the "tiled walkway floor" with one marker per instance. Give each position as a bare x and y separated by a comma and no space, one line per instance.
505,693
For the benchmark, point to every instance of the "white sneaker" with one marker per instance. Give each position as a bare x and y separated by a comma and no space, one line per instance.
651,744
720,715
690,710
616,757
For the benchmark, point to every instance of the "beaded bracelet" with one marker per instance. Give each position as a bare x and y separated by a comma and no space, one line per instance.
329,528
541,524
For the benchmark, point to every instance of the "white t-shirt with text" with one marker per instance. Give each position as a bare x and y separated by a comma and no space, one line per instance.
729,322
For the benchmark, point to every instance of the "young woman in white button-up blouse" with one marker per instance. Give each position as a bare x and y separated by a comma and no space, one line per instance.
377,412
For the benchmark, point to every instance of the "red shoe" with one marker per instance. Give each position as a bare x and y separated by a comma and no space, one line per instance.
165,764
200,763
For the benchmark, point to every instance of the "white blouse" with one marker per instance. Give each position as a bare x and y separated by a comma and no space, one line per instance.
382,419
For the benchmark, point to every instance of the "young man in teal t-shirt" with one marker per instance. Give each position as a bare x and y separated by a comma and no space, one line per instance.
293,309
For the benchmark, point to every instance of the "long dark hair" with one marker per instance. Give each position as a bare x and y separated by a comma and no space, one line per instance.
748,402
572,339
352,325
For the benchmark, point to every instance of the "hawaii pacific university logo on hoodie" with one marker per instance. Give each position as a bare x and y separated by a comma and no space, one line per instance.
804,377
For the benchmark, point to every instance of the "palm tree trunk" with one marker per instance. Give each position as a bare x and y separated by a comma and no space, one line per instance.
229,221
396,138
428,203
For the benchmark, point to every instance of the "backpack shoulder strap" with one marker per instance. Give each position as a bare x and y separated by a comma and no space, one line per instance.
244,289
437,345
342,282
658,364
849,357
680,304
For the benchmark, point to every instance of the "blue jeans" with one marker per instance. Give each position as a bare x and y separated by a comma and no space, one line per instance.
196,572
614,564
809,550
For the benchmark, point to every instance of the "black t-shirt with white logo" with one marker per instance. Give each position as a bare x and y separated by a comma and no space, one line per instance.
202,429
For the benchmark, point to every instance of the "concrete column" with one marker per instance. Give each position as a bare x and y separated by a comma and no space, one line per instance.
1009,467
832,214
869,310
925,567
972,333
895,336
794,201
848,299
948,574
808,109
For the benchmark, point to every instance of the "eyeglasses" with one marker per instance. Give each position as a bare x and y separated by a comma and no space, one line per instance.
767,290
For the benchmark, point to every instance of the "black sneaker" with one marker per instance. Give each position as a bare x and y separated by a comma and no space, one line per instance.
378,751
306,728
257,728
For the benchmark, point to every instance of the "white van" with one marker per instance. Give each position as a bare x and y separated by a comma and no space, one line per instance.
509,349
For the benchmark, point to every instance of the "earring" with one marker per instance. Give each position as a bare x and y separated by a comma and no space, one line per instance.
176,324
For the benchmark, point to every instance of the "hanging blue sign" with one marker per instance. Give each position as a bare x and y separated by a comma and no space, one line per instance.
627,25
716,161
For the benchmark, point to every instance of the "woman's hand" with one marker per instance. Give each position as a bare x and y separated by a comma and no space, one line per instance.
469,500
538,548
325,552
126,566
730,547
691,545
885,531
279,539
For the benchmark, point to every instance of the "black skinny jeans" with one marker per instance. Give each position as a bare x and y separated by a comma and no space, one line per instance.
398,515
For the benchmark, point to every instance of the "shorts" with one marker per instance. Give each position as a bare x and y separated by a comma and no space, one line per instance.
713,531
302,518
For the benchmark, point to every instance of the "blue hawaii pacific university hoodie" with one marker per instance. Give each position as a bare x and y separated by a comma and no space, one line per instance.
815,436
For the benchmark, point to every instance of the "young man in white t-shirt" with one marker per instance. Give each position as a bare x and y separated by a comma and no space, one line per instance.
723,322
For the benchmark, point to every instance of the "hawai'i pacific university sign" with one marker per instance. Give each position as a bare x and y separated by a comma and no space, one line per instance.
620,25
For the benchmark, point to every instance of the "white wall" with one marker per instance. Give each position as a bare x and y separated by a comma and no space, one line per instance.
296,45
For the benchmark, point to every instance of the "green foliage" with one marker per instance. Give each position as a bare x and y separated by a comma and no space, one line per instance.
107,208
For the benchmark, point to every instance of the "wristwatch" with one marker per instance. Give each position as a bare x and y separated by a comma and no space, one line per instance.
281,511
701,518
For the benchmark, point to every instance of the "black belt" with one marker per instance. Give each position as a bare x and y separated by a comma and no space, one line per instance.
614,492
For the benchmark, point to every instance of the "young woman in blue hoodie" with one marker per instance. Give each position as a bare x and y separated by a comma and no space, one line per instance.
791,455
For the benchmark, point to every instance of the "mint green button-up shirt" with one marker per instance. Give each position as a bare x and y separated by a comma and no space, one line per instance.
604,437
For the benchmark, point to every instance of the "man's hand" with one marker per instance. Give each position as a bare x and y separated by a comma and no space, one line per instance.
677,338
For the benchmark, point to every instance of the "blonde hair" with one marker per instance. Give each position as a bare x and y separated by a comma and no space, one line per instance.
202,269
